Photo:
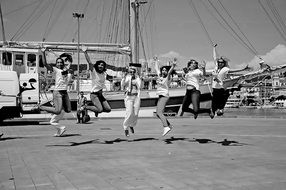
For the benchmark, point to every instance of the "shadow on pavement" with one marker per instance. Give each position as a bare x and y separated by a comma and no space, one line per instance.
11,138
70,135
225,142
97,141
16,123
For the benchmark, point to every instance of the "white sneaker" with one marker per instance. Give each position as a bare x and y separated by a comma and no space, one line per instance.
60,132
166,130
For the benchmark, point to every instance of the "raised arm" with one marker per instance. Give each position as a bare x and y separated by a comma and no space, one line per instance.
203,68
215,54
49,67
174,63
84,49
156,65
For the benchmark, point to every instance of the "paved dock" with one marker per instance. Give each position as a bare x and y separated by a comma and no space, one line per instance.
202,154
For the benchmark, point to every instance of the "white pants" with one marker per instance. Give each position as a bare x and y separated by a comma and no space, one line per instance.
132,105
56,118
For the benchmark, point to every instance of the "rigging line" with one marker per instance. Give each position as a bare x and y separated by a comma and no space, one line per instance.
39,14
126,21
143,26
234,32
30,16
200,21
268,15
238,27
90,23
101,21
142,43
44,36
145,18
277,16
56,16
84,12
221,24
151,21
26,23
108,33
121,23
15,10
108,25
223,19
115,23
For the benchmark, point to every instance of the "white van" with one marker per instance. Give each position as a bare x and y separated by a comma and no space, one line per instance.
10,102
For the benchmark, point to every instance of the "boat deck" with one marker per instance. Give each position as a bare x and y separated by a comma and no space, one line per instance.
194,155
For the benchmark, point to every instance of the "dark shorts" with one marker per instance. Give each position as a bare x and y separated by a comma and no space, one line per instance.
99,95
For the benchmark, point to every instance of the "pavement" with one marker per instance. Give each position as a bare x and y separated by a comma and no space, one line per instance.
202,154
150,113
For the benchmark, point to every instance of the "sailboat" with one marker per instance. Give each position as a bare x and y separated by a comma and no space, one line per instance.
25,58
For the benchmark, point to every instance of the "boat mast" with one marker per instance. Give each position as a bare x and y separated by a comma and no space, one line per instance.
2,25
133,27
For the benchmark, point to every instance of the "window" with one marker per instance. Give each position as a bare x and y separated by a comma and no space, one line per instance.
7,58
19,60
41,62
31,62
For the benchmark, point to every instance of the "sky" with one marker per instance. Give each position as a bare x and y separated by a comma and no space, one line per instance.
172,28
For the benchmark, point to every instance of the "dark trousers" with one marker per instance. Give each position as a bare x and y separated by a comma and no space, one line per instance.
80,114
99,103
193,96
220,96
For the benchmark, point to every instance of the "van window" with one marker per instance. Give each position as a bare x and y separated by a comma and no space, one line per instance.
19,60
41,63
7,58
31,62
19,66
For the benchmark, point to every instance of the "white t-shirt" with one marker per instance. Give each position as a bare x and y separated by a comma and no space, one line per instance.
131,85
192,78
97,80
61,81
163,86
219,76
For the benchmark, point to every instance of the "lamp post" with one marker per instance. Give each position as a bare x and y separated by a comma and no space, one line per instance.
78,16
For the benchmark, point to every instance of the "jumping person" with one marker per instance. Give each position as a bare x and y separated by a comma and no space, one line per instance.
163,83
98,77
131,83
220,94
81,107
192,89
60,96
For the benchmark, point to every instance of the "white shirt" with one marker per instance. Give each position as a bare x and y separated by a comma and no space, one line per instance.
219,76
97,80
61,81
163,86
192,78
131,85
